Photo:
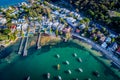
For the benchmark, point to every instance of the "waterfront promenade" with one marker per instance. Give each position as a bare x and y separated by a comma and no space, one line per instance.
108,54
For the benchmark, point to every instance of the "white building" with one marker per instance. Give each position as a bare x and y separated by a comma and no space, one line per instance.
70,19
19,27
104,45
2,20
82,26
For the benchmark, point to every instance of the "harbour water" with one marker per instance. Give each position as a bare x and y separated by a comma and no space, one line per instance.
6,3
43,61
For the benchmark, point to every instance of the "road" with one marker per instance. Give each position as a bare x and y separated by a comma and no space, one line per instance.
108,54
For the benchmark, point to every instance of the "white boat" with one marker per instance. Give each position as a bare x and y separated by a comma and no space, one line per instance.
48,75
67,62
75,55
79,59
59,78
69,71
28,78
80,70
58,56
76,78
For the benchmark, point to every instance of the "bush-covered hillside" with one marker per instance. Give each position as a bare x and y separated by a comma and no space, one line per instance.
106,12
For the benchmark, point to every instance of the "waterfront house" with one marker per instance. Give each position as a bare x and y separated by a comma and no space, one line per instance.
25,26
113,46
70,19
108,39
62,11
67,29
77,15
102,39
2,20
118,51
55,12
24,3
93,35
104,45
31,30
62,15
21,20
77,31
14,21
112,35
13,28
19,27
66,11
60,27
79,18
54,25
82,26
90,29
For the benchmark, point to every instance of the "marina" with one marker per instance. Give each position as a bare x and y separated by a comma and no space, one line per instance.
44,41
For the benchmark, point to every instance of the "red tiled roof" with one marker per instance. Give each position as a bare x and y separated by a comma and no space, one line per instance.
77,30
118,49
13,26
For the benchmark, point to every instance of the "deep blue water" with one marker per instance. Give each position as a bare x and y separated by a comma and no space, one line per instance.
6,3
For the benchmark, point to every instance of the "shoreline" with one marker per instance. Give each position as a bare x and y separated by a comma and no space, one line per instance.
98,54
108,54
11,42
88,47
8,44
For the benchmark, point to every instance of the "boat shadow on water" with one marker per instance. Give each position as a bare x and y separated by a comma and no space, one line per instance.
104,57
108,70
10,49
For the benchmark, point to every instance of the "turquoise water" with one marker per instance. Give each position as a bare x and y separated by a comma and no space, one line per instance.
40,62
5,3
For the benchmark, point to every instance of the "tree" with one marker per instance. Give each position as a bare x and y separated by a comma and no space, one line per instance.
86,20
82,21
6,31
91,12
113,40
48,13
50,30
46,3
95,38
56,32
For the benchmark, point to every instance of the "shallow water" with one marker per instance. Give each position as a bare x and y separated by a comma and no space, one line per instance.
40,62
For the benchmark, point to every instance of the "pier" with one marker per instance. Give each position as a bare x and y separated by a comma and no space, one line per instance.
38,40
25,48
26,42
21,46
